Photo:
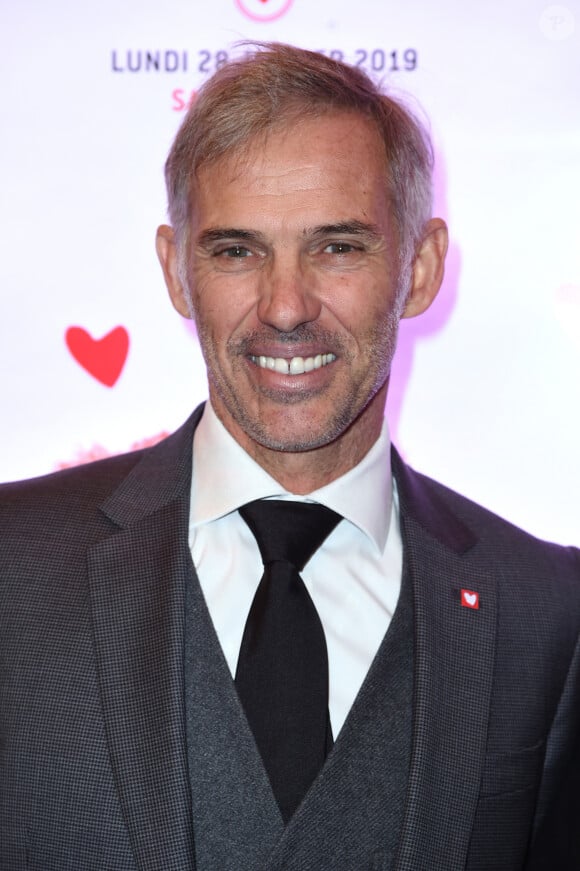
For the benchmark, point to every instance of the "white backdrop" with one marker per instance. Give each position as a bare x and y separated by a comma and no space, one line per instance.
485,392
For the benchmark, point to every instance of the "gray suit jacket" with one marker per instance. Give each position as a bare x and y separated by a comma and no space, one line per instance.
94,564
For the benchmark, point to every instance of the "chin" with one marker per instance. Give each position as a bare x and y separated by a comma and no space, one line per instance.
294,439
287,446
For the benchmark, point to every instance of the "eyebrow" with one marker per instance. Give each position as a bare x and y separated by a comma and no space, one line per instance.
219,234
343,228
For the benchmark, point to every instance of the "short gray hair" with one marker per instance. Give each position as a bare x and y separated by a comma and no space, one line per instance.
274,85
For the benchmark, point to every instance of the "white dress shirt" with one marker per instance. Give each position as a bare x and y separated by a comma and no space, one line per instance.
354,578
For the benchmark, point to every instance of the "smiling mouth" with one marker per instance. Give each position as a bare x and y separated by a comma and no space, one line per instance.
294,366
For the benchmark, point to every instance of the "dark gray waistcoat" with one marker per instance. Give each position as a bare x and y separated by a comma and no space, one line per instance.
352,815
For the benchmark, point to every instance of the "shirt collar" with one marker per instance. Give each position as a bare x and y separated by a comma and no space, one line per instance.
226,477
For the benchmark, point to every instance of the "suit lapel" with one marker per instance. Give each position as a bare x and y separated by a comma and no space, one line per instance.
454,659
138,578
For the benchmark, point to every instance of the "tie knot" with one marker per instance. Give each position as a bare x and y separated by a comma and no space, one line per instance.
289,531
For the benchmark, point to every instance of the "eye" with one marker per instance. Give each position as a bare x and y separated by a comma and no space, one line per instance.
236,252
339,248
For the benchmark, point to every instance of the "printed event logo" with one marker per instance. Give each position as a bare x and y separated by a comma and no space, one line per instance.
104,358
264,10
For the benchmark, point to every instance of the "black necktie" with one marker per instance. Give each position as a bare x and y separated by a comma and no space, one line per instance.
282,673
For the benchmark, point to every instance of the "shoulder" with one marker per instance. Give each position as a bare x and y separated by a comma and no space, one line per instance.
457,520
65,499
62,499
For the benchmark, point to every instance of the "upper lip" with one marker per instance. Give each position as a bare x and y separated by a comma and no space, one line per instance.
287,352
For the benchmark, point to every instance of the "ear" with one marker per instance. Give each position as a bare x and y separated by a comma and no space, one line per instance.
428,268
167,253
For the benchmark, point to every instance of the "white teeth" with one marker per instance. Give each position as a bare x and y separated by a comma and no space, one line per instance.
295,366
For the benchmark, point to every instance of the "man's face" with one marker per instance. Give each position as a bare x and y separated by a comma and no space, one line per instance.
293,275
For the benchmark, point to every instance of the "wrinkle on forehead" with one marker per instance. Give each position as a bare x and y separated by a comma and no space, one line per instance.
290,175
237,161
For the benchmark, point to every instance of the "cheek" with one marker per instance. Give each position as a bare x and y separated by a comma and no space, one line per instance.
224,296
222,304
209,304
361,307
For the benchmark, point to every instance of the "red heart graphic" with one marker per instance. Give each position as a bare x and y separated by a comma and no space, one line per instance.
102,358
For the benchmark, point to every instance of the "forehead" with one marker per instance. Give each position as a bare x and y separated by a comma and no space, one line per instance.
332,162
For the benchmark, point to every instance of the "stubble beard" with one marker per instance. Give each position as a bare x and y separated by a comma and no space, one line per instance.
381,342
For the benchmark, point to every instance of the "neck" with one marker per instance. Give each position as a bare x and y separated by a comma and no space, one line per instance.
302,473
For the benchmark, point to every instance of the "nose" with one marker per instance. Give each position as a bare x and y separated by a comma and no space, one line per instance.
287,295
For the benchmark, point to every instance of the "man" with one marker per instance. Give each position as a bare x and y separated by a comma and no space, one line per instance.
433,722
